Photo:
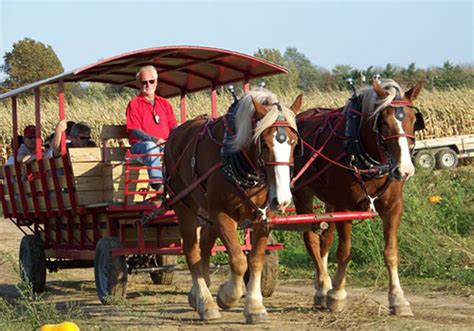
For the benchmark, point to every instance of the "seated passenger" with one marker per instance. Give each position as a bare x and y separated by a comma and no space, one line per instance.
80,136
150,119
27,151
11,158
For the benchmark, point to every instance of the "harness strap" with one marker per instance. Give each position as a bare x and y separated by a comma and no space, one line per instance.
194,184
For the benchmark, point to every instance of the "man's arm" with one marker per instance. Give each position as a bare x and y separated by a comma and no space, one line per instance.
56,143
140,135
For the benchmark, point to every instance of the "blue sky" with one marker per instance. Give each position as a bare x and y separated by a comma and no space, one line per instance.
358,33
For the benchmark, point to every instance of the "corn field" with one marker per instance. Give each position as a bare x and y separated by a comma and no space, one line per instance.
446,113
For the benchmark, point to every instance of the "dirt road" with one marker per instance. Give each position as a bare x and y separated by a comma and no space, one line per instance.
150,307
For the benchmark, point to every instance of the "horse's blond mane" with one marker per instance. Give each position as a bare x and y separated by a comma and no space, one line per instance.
371,104
244,113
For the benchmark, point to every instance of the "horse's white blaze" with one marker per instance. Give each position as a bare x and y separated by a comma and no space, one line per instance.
406,165
282,153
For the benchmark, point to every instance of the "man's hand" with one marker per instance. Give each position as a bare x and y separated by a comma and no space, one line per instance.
159,141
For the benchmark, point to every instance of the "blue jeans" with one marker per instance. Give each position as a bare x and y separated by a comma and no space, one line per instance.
149,147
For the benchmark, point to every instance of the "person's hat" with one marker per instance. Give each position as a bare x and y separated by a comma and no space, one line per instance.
29,131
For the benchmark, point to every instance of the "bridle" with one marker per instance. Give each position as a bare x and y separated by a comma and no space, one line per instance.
358,156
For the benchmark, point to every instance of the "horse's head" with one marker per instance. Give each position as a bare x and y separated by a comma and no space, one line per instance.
393,120
273,138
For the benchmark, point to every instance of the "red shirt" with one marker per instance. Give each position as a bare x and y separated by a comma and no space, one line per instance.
140,115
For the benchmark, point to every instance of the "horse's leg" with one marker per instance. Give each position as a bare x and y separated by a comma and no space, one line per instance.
336,299
254,310
204,303
207,237
207,241
391,220
314,244
231,291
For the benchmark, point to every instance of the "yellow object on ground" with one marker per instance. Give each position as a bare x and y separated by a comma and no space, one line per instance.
64,326
435,199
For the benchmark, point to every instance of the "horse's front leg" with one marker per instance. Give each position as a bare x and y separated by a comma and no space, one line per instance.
336,299
231,291
254,310
391,220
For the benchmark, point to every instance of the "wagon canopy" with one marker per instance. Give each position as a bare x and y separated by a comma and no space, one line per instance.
181,69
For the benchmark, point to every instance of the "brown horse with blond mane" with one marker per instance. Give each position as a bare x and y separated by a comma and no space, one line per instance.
357,158
226,172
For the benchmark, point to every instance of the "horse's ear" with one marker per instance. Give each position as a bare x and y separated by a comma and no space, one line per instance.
379,89
413,93
260,110
296,106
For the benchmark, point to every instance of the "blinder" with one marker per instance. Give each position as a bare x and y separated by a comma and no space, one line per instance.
419,120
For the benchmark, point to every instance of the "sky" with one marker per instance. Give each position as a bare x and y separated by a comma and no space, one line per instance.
329,33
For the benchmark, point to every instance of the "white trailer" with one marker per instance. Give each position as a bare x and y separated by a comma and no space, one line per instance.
443,153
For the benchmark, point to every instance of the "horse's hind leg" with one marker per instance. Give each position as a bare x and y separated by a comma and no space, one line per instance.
204,303
317,246
391,219
207,241
336,299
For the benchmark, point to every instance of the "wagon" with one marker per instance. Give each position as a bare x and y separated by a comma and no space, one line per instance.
92,207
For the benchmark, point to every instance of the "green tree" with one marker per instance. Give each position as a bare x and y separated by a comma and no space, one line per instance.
389,72
28,62
341,72
309,76
279,83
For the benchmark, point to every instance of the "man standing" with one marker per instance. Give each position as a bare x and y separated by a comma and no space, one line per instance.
150,119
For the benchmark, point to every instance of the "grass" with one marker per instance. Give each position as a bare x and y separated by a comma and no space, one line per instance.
29,311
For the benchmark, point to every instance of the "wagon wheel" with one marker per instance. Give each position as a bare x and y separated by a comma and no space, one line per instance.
269,272
163,277
425,159
110,271
33,262
446,158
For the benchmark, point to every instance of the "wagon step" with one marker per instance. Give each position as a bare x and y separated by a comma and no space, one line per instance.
170,268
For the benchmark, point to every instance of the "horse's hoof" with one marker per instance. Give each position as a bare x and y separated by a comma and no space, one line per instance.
223,301
256,318
192,300
221,304
210,314
320,302
335,305
401,310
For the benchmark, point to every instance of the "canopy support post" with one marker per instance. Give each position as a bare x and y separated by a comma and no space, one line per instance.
39,154
62,113
214,101
183,106
15,127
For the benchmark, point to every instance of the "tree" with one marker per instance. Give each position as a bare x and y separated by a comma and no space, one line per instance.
28,62
309,77
279,83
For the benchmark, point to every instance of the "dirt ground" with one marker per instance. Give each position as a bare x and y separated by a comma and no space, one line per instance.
150,307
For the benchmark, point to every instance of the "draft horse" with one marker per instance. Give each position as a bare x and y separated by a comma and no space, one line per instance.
227,172
355,158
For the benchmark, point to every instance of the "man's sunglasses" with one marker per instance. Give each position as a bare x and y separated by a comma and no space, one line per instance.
151,82
85,138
